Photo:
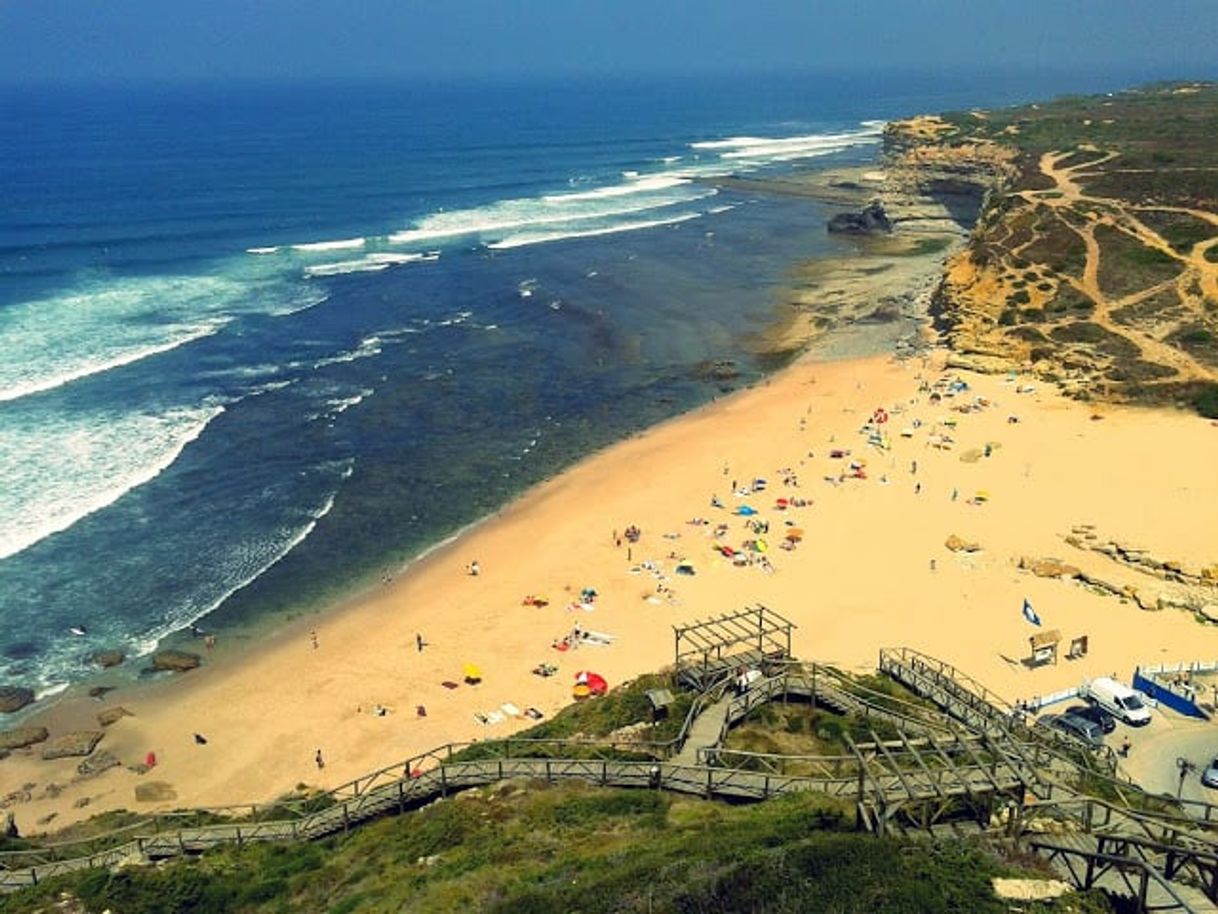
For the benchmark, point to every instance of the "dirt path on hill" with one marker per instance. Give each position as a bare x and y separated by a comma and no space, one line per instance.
1196,282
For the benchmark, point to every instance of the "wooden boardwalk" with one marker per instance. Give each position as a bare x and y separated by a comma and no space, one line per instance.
968,766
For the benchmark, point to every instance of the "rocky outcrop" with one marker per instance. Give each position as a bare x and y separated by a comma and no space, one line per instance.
110,715
1137,557
14,698
20,737
107,659
1048,567
873,220
78,743
96,763
959,544
175,661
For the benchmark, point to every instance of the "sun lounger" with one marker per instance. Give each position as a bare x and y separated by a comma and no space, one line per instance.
495,717
509,709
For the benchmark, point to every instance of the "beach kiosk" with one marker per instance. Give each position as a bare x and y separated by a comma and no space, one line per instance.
1044,647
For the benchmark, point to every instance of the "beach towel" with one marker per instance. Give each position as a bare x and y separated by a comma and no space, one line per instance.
509,709
598,638
495,717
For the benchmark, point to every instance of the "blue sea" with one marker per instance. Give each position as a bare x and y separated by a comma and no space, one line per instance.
262,344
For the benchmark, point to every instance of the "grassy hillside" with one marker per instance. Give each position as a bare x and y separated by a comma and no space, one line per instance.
536,849
1097,261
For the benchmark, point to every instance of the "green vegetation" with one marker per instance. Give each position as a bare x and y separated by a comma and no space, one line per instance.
1206,401
537,849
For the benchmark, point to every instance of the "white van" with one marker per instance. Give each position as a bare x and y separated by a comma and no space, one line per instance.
1118,700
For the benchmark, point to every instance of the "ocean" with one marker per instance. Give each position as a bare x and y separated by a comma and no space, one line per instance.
262,344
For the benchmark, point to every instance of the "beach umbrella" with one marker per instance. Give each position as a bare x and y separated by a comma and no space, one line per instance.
472,673
581,691
781,504
795,534
746,511
594,682
727,550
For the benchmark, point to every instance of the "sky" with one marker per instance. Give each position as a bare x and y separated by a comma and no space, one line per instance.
172,40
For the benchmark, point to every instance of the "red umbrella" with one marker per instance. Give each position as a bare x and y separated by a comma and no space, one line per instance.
594,681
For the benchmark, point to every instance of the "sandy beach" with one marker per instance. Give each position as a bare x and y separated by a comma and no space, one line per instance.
871,571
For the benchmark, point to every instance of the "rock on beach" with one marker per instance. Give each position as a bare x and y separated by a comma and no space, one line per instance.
14,698
175,661
71,745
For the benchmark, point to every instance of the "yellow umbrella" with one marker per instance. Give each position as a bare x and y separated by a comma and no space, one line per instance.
472,672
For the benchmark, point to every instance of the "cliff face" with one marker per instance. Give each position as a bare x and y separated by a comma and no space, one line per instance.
1095,258
923,169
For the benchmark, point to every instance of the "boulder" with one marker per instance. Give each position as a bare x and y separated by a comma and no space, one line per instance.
14,698
175,661
99,691
70,745
871,221
107,659
1048,568
958,544
20,737
97,763
982,364
110,715
1208,611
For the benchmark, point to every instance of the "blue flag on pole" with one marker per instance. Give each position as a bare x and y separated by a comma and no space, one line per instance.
1029,613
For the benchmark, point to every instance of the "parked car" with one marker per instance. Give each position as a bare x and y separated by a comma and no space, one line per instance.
1209,777
1095,714
1119,700
1078,728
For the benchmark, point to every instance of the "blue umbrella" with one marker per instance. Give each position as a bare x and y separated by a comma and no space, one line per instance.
746,510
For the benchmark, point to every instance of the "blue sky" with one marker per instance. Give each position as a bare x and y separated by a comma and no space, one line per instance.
120,40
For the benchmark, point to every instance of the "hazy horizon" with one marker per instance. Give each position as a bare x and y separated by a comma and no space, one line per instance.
79,41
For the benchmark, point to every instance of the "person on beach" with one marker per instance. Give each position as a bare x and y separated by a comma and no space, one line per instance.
474,568
419,642
313,638
210,643
318,760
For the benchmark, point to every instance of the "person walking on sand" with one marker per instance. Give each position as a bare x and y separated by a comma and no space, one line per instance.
474,568
419,642
318,760
313,638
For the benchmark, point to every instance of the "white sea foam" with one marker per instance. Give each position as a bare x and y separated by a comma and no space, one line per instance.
62,468
346,244
345,266
15,388
493,222
526,238
368,347
635,185
107,322
763,150
270,250
372,263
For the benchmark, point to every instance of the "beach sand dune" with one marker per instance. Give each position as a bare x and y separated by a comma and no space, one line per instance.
871,571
